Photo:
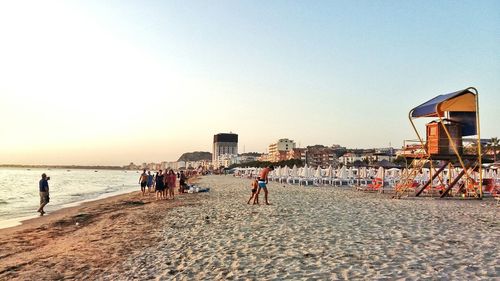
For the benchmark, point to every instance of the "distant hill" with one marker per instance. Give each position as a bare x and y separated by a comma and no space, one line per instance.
196,156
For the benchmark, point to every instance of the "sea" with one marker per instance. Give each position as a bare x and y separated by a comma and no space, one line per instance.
19,197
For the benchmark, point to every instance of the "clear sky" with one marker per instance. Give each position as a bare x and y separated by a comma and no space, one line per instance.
110,82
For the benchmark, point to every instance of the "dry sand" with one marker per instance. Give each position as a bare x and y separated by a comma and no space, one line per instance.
308,233
320,233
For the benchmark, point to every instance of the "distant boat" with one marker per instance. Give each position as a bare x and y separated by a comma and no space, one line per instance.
68,170
28,169
95,171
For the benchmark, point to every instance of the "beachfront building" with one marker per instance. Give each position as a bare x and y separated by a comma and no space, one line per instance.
197,164
278,151
226,160
350,158
297,153
263,158
225,146
249,157
383,156
321,156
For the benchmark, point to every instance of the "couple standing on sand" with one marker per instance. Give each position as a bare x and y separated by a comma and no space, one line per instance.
260,183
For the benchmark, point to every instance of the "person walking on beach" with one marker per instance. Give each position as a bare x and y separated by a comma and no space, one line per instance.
171,178
150,182
143,180
43,186
182,182
159,185
165,185
263,180
255,185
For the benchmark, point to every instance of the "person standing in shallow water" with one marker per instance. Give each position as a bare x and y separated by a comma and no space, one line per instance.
43,187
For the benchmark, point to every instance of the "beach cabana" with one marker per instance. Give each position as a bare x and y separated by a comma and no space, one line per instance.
456,115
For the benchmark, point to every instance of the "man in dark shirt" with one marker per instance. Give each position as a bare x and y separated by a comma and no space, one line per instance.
44,193
182,182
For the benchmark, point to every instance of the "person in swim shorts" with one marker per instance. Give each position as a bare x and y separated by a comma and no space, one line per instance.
255,186
263,180
143,180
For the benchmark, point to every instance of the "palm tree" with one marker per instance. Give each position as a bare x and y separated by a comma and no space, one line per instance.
493,144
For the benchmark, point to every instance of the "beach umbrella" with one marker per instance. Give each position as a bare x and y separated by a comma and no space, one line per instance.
329,172
305,172
342,173
294,172
277,172
380,173
317,174
350,173
257,172
362,173
285,172
371,172
394,171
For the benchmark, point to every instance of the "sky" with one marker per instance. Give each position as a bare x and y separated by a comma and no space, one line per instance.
113,82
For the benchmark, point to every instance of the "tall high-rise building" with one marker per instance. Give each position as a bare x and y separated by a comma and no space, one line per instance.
225,146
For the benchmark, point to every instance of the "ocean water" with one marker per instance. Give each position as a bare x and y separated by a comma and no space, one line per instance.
19,196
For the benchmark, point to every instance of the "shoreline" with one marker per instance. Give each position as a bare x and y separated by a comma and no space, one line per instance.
18,221
84,240
322,233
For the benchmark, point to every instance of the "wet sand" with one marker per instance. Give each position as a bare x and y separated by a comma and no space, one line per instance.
85,241
308,233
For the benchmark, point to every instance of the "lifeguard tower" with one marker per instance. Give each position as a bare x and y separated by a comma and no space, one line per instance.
459,172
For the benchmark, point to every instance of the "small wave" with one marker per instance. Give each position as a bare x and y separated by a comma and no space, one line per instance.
3,202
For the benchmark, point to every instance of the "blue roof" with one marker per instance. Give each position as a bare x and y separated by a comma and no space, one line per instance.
429,108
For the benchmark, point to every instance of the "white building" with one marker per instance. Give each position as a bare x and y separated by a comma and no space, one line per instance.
281,145
350,158
225,146
226,160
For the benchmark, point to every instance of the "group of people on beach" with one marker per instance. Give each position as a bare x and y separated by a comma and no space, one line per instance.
260,183
163,183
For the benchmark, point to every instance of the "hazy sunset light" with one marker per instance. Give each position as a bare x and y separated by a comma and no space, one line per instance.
110,82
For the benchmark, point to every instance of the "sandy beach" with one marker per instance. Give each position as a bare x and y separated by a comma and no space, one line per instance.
314,233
